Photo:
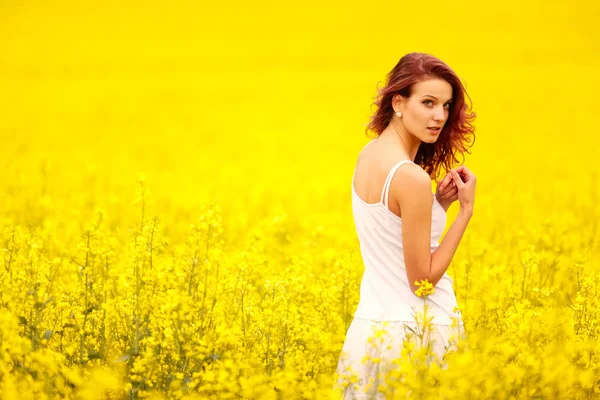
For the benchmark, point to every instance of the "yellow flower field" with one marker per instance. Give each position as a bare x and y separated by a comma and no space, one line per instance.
175,212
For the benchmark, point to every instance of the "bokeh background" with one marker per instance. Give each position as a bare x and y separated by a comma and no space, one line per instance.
248,117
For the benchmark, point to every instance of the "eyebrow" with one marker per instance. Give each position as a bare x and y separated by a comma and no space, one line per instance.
430,95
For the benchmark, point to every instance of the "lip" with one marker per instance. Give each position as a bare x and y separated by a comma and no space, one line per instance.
435,130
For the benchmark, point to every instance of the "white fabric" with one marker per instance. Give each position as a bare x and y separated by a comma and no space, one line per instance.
363,366
385,294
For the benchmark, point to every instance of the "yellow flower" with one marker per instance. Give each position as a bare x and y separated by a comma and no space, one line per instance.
425,288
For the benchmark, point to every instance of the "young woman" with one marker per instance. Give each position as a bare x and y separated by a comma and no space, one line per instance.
422,123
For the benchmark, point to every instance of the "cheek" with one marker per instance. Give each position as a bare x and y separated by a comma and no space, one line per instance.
415,122
421,115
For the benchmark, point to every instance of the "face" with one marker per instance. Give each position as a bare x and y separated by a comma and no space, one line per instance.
428,106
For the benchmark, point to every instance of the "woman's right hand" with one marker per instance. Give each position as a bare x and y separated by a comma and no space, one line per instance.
465,181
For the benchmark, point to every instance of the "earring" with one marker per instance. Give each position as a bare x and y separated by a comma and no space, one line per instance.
399,113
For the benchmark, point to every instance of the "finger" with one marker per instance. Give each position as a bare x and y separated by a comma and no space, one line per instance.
444,182
465,173
456,179
461,169
450,194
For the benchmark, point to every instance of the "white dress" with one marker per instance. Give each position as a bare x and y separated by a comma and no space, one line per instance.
389,314
367,356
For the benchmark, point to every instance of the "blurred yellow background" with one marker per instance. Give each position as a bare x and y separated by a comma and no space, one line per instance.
234,100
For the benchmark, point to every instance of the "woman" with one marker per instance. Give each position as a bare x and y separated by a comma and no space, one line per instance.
422,122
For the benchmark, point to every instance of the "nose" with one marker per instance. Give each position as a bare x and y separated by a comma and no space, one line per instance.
440,114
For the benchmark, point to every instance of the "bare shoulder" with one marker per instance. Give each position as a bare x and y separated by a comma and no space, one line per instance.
411,186
411,176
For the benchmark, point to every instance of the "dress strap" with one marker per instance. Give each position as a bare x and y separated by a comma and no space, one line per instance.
386,186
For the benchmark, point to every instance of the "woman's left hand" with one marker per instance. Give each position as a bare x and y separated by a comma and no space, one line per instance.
446,191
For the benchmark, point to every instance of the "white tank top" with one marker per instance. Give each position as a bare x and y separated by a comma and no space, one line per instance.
385,293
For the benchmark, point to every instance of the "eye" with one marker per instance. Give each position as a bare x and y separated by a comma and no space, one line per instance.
429,102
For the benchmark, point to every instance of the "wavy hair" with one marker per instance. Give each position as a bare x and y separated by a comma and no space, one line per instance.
458,129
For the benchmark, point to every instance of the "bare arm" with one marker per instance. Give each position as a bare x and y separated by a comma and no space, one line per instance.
413,191
442,256
445,205
412,188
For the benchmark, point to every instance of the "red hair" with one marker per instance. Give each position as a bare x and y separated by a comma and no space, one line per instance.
458,129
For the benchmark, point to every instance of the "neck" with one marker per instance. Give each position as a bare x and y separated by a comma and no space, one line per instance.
396,133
